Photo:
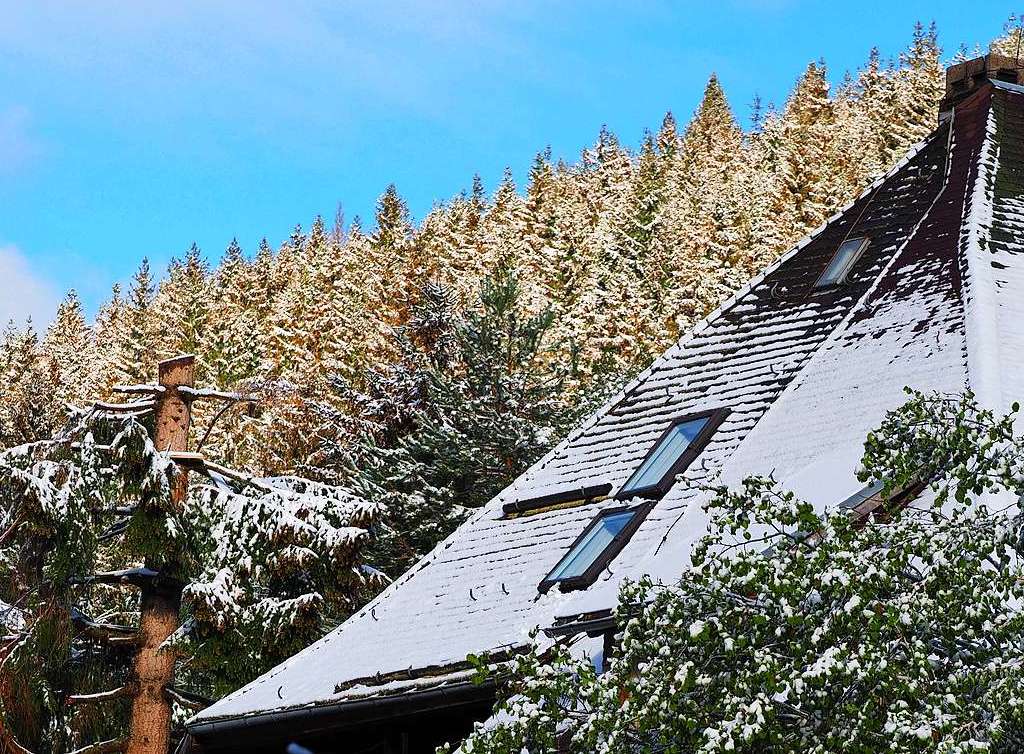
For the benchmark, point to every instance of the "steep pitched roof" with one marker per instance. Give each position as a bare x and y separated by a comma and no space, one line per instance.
935,302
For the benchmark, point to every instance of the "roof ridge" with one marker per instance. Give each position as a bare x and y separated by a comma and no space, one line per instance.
980,307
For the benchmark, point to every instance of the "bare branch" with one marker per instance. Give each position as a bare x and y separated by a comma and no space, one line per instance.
187,699
137,577
213,423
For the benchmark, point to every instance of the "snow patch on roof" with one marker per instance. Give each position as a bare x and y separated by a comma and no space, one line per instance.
980,298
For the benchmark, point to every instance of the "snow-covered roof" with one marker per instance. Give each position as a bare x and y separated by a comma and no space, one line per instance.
935,302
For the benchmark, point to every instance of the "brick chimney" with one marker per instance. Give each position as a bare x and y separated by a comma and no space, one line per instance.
963,78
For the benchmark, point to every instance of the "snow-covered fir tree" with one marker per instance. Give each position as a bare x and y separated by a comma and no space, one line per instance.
474,401
28,410
268,565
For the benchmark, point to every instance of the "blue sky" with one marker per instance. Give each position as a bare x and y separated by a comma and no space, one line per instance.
134,128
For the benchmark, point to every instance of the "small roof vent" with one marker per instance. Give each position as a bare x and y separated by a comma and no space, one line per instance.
963,78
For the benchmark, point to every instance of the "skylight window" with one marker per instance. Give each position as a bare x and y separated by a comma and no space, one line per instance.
599,543
670,456
842,262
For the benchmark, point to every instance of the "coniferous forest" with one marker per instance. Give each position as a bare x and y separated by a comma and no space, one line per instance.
420,366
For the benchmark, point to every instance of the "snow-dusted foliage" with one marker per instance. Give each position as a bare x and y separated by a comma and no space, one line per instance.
283,567
799,631
268,566
58,498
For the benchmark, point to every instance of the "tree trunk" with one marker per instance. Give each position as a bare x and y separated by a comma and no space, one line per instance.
150,730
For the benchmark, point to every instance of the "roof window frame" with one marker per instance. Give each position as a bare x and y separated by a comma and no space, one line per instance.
606,556
864,242
660,488
565,498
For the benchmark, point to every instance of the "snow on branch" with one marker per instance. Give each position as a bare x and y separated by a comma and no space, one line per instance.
104,747
270,530
144,389
102,696
130,407
194,393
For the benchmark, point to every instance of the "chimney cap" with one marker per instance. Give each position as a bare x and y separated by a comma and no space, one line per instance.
964,78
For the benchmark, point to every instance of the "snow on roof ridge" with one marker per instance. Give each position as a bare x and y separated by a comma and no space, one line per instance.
980,306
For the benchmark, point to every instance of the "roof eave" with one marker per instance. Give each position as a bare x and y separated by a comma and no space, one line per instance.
339,715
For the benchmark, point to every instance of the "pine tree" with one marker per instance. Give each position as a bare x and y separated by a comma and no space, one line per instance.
394,227
234,354
69,347
475,401
30,407
808,189
921,85
182,302
135,337
477,201
606,170
636,327
706,210
391,241
107,336
668,137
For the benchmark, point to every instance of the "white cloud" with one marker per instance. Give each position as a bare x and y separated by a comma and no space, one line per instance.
23,291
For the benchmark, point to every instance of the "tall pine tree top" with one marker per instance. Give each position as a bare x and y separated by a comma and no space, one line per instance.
394,226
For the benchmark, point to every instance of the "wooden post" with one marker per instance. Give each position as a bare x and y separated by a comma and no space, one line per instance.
153,671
